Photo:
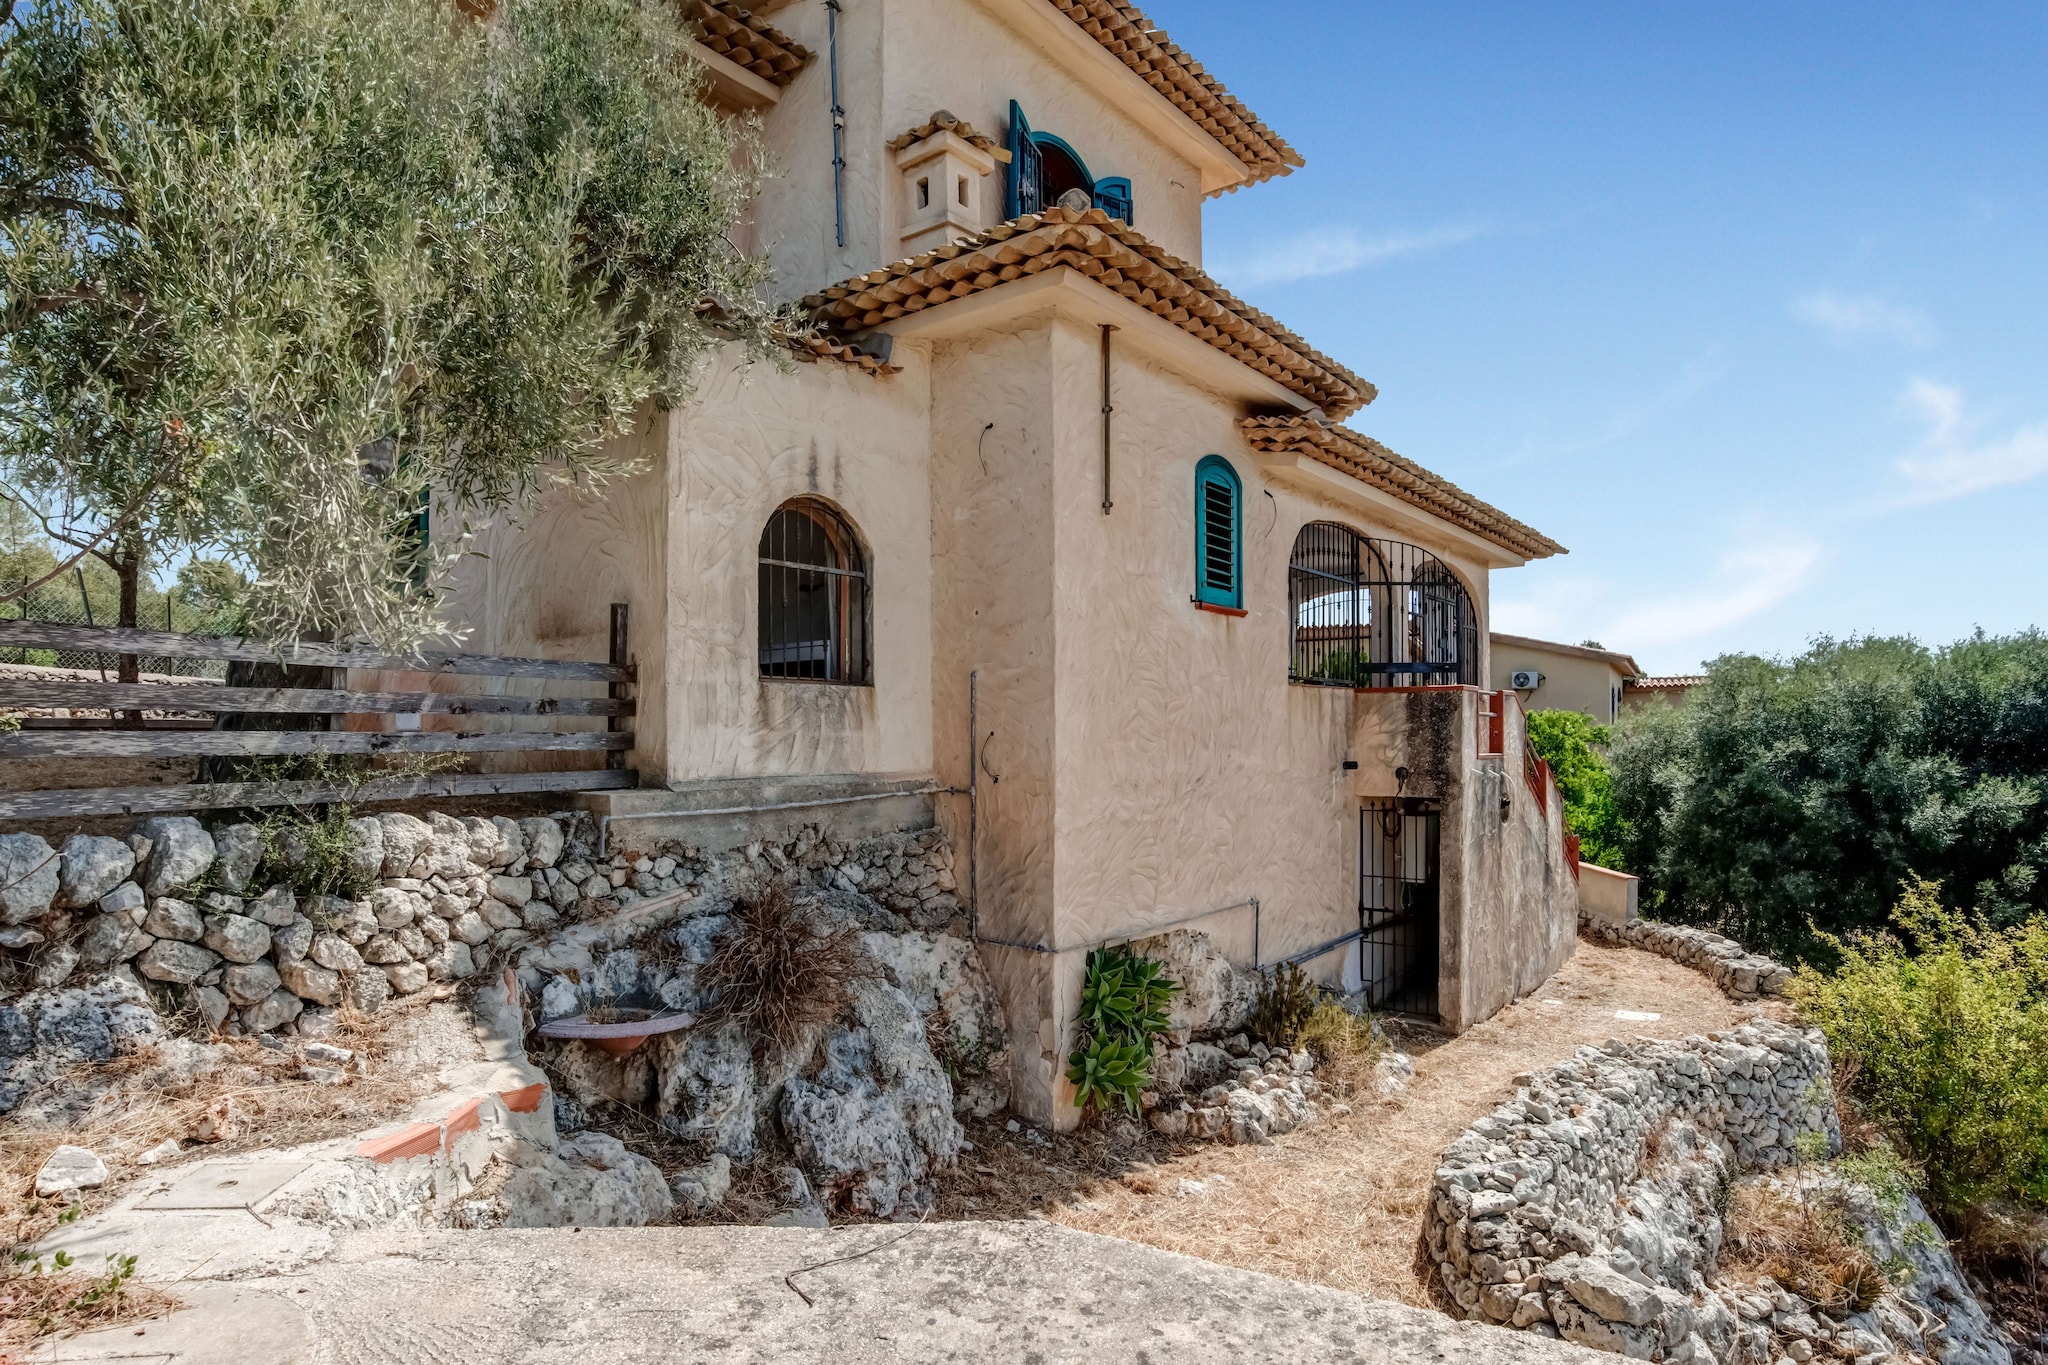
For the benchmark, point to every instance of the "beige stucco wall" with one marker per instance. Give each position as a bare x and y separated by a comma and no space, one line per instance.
1607,895
1571,681
899,62
678,542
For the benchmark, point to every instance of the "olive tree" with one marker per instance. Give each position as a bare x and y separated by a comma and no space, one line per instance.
276,275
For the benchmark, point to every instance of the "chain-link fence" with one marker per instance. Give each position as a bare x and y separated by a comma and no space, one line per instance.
65,600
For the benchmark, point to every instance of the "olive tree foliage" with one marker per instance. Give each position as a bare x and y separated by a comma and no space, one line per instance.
276,273
1789,796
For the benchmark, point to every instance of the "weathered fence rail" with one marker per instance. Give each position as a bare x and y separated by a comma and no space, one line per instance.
305,704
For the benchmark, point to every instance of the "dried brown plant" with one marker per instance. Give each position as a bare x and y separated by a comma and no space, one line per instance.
779,971
1800,1236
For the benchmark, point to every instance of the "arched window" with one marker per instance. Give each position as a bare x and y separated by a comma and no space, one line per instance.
814,596
1376,613
1219,534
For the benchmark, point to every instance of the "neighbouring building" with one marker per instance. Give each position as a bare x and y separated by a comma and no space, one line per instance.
1661,691
1052,540
1549,676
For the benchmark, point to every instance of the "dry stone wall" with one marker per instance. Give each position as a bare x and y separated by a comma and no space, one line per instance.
1742,974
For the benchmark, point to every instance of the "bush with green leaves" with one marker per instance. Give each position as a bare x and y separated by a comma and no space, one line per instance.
1941,1026
1571,743
1124,1000
1789,796
1283,1006
313,855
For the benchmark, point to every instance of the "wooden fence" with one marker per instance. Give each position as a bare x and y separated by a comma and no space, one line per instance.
71,741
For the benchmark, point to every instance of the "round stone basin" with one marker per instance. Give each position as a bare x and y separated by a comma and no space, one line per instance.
617,1031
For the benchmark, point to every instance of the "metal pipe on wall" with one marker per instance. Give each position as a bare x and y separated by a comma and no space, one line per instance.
838,125
1107,410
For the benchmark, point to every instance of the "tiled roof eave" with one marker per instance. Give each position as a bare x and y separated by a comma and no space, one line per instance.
1371,463
745,39
1115,257
1128,35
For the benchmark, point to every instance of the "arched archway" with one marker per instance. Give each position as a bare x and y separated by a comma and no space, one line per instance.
1366,612
813,610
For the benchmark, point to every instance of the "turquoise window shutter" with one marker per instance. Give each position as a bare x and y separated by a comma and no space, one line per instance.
1020,187
1113,197
1219,534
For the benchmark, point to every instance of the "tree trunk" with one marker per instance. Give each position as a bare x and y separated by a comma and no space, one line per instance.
127,563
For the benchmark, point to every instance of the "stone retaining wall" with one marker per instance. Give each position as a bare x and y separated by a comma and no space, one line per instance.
1742,974
1588,1205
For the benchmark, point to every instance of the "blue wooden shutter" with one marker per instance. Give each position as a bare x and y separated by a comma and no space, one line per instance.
1021,187
1113,197
1219,539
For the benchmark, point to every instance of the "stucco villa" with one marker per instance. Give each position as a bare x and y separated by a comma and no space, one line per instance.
1548,675
1053,541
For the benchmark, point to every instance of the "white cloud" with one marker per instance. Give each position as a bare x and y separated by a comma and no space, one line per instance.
1336,251
1747,581
1854,317
1949,464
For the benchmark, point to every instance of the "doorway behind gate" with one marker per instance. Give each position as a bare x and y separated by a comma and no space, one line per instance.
1399,880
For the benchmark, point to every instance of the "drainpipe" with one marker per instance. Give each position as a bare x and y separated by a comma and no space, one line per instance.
973,804
1107,410
838,125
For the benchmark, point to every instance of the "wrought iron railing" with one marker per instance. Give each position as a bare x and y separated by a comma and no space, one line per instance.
1376,613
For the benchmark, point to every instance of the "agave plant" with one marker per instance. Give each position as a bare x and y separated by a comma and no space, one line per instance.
1110,1070
1124,999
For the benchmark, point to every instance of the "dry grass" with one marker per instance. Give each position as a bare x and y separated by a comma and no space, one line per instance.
1340,1202
1802,1239
48,1303
779,972
255,1100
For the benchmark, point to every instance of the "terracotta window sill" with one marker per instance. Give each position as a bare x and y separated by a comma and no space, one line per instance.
1221,611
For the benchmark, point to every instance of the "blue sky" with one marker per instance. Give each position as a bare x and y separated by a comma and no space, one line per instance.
1745,304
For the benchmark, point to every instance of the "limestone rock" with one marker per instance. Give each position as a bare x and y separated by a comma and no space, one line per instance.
876,1117
705,1087
249,983
123,899
543,841
110,939
237,849
384,950
56,967
1612,1295
403,838
513,891
703,1188
511,850
1214,997
212,1004
942,975
180,850
310,981
367,990
393,907
406,977
291,942
172,918
471,928
276,1010
29,871
590,1180
276,907
177,962
69,1170
237,937
90,868
366,851
335,953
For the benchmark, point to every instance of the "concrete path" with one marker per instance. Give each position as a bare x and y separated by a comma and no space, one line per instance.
969,1292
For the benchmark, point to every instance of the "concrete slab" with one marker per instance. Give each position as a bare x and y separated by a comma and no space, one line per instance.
869,1294
219,1324
224,1185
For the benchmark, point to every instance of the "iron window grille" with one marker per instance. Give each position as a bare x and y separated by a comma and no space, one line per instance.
1376,613
814,596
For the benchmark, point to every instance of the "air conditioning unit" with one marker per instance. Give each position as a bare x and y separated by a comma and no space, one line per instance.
1525,680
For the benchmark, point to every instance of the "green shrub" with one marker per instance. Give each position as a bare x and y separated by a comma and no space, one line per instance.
1286,1000
1942,1027
1123,1007
1571,744
314,857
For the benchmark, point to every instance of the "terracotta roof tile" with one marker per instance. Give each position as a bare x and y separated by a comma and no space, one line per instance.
742,37
1370,462
959,127
1130,37
817,346
1114,256
1674,682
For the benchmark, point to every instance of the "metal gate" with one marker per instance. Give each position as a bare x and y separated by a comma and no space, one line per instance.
1398,884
